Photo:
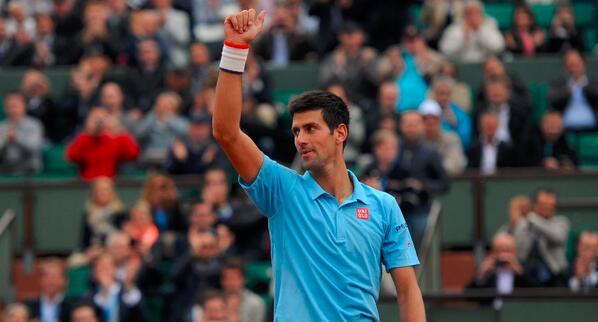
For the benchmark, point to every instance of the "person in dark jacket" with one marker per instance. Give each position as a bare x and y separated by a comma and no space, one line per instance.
51,305
489,152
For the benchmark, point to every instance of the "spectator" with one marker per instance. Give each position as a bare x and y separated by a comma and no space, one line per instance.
333,15
104,213
306,24
460,92
197,151
489,152
15,312
283,43
161,194
501,269
585,272
113,99
427,60
51,305
117,302
436,15
21,138
548,147
525,37
174,29
201,66
35,86
178,80
118,24
519,207
563,34
473,38
453,118
146,79
195,272
47,48
541,237
68,19
84,312
95,38
356,127
387,99
207,17
575,95
20,23
513,115
126,260
214,308
144,25
101,147
157,131
385,148
140,227
203,102
447,143
203,218
242,303
10,49
349,62
256,81
494,68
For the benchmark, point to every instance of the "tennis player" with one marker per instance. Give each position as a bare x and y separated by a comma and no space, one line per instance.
330,233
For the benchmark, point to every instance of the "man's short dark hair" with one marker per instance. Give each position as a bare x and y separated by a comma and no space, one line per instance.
540,190
210,294
334,110
236,264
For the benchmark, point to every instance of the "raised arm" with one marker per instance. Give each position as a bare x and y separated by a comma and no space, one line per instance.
240,30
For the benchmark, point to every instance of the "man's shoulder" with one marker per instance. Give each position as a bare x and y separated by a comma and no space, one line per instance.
377,196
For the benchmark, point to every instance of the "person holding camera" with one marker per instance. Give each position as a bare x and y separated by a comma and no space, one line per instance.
102,146
563,34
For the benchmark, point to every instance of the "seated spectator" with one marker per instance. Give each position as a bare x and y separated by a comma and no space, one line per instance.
145,80
356,127
548,147
282,42
519,207
84,312
386,101
175,30
201,66
349,62
203,102
306,23
21,138
436,15
214,308
447,143
95,37
460,92
427,60
161,194
46,48
195,272
113,99
20,22
15,312
473,38
563,34
126,260
501,269
197,151
575,95
140,227
541,237
385,151
494,68
101,147
525,37
157,131
584,275
51,305
117,302
243,304
68,19
207,20
453,118
513,115
178,80
488,152
104,213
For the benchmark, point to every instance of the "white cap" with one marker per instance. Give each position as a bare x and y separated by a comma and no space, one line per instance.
430,107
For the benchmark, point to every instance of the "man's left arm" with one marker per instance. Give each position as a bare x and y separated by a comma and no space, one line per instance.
409,297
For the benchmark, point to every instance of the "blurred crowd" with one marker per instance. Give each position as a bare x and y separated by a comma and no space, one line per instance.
140,98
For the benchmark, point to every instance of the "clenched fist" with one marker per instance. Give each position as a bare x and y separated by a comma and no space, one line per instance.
243,27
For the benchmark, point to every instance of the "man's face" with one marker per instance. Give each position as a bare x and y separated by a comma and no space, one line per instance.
14,106
215,310
388,96
387,150
120,249
203,216
442,93
552,126
313,139
215,182
431,124
574,64
489,126
545,205
232,280
84,314
111,96
498,93
199,54
412,126
52,280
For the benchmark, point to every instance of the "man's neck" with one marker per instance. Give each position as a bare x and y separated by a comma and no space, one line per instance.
335,180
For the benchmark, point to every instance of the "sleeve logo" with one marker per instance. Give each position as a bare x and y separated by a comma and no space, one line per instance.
363,213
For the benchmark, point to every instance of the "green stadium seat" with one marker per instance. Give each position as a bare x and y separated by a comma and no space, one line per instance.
543,14
538,92
584,14
257,278
78,278
502,12
588,150
55,163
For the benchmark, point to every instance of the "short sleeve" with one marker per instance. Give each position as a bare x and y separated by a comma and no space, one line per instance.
397,248
269,186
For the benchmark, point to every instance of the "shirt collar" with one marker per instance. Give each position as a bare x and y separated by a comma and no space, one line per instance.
315,190
57,299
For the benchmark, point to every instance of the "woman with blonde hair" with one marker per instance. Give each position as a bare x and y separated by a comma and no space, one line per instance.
104,212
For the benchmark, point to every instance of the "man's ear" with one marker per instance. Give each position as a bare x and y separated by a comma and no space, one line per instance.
342,133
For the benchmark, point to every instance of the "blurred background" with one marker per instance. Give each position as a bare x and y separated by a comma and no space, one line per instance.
116,204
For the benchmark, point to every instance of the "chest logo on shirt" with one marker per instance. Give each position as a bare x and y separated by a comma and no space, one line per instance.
363,213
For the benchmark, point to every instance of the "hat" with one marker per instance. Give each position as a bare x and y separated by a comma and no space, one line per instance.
201,118
430,107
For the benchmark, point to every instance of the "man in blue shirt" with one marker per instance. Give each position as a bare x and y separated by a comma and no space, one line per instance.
330,233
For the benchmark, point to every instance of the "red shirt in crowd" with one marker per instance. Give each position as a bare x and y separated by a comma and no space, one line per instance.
100,155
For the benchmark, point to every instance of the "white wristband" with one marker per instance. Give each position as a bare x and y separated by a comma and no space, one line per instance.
234,57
